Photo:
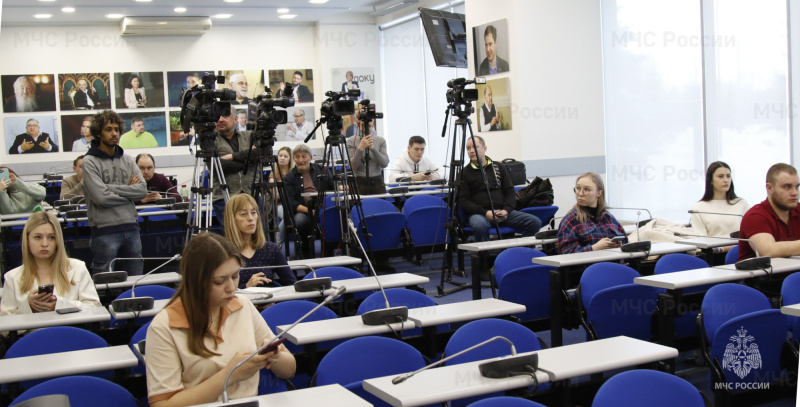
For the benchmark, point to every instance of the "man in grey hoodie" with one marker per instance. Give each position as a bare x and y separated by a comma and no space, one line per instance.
112,183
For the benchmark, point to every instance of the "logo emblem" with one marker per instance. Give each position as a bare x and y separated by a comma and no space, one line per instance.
741,355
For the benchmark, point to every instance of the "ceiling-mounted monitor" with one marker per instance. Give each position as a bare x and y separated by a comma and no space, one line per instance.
447,36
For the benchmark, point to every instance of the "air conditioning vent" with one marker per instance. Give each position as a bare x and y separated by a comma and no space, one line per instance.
141,26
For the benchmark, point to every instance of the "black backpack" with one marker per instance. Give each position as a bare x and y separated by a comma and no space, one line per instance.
538,193
516,169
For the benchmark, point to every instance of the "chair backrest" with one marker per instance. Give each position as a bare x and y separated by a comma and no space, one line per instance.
83,391
732,256
287,312
426,225
335,273
790,289
158,218
529,286
544,213
647,388
375,205
476,332
726,301
514,258
137,337
399,297
55,340
158,292
422,201
600,276
331,225
386,230
681,262
623,310
505,401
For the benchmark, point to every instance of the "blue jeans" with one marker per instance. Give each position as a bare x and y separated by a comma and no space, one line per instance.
108,247
529,224
219,213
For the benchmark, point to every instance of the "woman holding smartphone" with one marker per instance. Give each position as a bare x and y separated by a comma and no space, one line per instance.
588,226
206,329
17,196
47,279
243,228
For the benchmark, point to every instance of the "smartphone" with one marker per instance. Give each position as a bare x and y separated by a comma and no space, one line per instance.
67,310
4,175
48,288
428,173
272,346
618,239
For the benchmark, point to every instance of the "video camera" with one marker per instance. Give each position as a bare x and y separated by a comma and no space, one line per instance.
202,105
367,111
461,99
263,108
335,106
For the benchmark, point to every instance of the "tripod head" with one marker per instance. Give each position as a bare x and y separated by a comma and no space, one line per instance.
460,99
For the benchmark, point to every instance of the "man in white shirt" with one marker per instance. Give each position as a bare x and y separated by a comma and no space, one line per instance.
413,164
300,129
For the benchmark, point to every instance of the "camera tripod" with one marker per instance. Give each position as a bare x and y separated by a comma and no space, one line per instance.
200,196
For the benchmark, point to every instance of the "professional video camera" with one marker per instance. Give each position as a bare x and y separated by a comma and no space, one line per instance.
202,106
367,111
335,106
461,99
262,118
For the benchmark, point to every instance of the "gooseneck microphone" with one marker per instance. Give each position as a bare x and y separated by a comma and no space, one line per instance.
692,211
312,284
141,303
753,263
505,367
640,246
389,314
339,291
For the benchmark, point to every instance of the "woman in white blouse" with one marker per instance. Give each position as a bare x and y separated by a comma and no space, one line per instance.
723,210
45,262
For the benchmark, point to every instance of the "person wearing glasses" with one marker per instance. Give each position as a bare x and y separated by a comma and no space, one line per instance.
238,83
233,147
300,129
588,226
32,141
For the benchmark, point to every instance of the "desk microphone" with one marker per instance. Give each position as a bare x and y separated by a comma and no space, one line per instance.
754,263
141,303
389,314
339,291
312,284
505,367
640,246
692,211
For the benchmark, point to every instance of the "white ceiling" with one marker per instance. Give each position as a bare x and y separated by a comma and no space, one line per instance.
21,12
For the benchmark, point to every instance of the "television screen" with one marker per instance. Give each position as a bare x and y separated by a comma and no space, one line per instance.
447,36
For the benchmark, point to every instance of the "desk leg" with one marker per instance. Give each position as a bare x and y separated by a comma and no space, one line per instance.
477,268
667,312
556,309
429,340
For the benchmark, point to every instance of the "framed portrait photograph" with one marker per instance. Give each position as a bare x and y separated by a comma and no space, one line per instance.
363,79
299,125
84,91
246,84
143,130
179,81
137,90
301,80
494,105
28,93
491,46
31,134
75,132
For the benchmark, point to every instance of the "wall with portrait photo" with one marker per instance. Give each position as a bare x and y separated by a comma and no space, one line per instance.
494,105
299,125
28,93
135,90
31,134
247,84
491,48
152,135
302,81
178,81
84,91
363,79
74,131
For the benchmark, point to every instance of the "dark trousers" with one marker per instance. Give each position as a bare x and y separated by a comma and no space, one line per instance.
371,185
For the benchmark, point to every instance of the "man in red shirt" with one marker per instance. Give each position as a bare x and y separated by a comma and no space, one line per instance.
774,225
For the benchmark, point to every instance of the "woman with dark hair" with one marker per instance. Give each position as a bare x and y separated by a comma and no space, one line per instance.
718,200
588,226
285,165
206,329
134,93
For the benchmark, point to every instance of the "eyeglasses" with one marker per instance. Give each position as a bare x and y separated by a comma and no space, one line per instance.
31,125
585,191
298,115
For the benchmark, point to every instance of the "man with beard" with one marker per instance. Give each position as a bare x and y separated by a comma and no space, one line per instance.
238,82
300,129
33,142
85,97
774,224
25,98
137,137
300,92
233,148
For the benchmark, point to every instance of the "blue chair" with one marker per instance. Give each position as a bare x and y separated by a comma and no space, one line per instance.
506,402
649,388
386,230
475,332
790,294
339,273
427,225
399,297
514,258
331,225
158,292
684,324
158,218
138,336
504,230
374,205
544,213
364,358
732,255
56,339
529,286
600,276
422,201
83,391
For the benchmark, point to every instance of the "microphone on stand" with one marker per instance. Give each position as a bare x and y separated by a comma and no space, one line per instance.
640,246
753,263
312,284
141,303
389,314
496,369
339,291
733,234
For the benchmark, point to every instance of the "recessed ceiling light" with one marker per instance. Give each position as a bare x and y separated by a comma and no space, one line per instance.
287,16
283,10
222,15
233,1
68,9
47,1
317,1
42,16
143,1
180,9
114,15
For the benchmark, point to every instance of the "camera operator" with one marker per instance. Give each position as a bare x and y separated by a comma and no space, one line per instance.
362,148
233,148
304,177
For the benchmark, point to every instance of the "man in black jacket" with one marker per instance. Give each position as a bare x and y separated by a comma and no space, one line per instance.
33,142
304,177
474,200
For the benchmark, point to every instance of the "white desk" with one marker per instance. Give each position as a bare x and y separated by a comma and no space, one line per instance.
504,244
158,305
340,328
713,275
46,319
332,395
793,310
324,262
66,363
462,311
708,243
152,279
460,381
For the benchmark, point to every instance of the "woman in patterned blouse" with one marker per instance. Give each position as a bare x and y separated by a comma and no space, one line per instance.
588,226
